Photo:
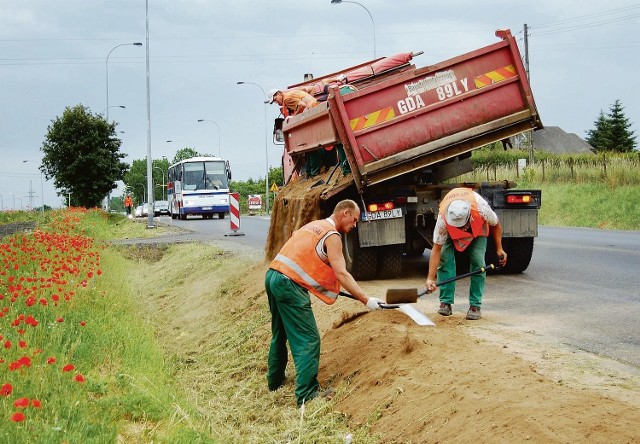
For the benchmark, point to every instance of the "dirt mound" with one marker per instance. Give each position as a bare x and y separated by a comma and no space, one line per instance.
444,384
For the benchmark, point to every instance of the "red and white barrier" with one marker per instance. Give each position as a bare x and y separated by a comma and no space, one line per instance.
234,214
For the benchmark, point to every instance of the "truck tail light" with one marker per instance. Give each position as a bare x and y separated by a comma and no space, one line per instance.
372,208
521,198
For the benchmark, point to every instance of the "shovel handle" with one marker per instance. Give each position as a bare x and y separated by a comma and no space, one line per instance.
462,276
381,304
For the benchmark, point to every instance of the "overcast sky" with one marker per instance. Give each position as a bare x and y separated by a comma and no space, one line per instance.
584,55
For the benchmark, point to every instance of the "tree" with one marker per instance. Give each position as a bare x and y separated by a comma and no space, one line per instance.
81,154
620,136
612,132
187,153
136,178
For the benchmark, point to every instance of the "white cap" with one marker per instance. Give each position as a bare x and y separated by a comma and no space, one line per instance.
271,94
457,213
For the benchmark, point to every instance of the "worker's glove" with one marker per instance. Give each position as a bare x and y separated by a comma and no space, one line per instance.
374,304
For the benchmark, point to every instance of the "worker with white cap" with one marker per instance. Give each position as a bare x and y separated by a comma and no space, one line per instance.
465,220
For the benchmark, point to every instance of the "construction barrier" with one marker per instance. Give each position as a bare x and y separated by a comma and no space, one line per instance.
234,214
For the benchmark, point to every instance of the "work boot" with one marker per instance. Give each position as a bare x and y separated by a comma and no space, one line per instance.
445,309
474,313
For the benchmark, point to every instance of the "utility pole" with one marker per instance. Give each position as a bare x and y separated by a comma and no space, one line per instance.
526,69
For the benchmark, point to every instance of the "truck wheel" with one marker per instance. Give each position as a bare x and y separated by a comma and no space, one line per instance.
389,261
361,262
519,251
220,215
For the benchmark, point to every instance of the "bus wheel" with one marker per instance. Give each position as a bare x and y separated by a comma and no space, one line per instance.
220,215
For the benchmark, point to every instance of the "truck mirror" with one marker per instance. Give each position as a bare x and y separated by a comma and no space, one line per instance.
278,135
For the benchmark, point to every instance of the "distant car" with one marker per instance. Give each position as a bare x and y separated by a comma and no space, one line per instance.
145,209
138,211
161,208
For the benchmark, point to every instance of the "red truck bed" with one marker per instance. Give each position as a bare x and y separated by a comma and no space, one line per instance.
416,117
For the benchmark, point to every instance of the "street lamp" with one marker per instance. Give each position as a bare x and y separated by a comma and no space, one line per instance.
185,140
112,106
41,184
163,182
107,70
266,151
337,2
213,121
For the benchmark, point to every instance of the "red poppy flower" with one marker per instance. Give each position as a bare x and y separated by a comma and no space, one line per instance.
22,344
60,320
25,360
83,323
17,417
51,360
7,344
6,390
21,403
68,368
36,403
79,378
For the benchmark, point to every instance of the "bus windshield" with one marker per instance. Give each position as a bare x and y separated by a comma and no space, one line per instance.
207,175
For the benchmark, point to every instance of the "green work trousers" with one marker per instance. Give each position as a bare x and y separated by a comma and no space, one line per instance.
447,270
292,320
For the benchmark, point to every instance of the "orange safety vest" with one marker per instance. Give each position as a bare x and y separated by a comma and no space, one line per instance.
128,202
303,97
479,227
299,261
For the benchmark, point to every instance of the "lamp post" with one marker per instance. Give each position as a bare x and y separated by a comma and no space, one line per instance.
144,190
41,185
266,151
337,2
216,123
107,70
163,182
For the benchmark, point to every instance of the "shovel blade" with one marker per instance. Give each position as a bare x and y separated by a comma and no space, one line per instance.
402,295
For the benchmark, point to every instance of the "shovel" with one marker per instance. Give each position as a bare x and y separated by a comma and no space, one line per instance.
410,311
410,295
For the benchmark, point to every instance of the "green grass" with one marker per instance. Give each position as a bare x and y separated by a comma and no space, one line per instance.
591,206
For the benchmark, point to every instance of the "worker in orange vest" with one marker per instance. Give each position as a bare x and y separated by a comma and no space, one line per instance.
464,222
128,204
310,261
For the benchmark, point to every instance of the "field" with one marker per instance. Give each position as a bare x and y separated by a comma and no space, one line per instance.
167,343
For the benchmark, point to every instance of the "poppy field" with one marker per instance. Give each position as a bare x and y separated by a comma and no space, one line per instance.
76,362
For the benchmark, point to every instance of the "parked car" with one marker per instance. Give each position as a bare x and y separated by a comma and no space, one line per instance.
161,208
145,209
138,211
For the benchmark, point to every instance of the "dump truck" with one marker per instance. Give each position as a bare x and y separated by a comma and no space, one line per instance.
402,135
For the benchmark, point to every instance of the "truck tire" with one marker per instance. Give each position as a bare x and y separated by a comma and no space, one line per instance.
221,215
519,251
361,262
389,261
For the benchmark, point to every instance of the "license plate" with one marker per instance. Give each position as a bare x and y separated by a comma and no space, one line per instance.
206,208
385,214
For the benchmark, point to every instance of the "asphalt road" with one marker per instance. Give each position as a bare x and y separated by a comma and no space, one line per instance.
581,288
